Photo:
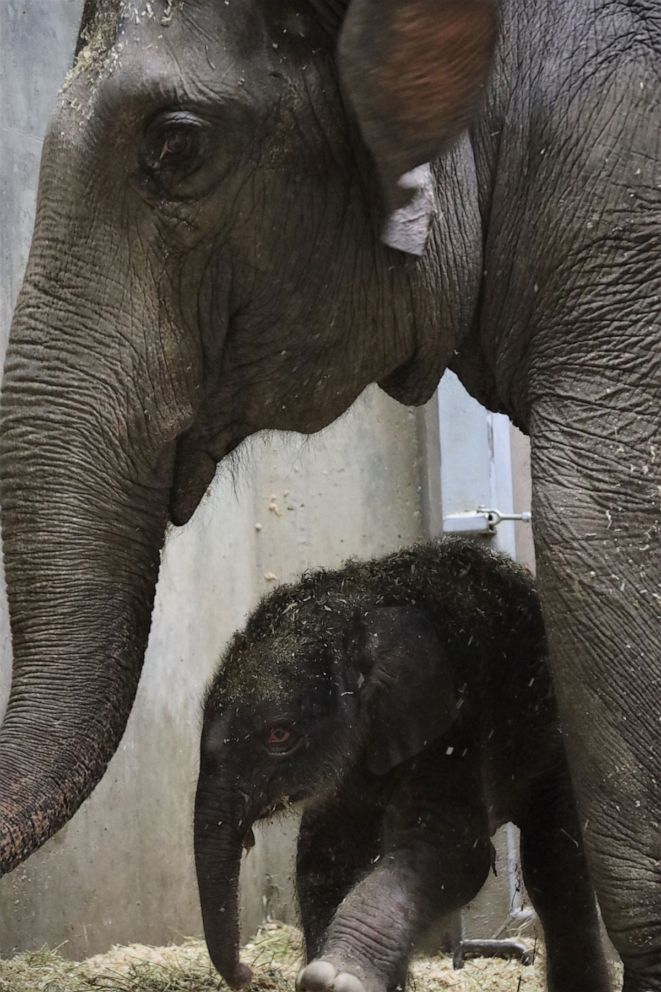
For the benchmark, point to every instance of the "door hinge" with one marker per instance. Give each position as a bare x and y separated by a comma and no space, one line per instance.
481,521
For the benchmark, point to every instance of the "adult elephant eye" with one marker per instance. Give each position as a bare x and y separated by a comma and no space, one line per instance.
178,144
173,145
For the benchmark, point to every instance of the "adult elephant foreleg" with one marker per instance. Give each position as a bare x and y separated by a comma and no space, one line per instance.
596,511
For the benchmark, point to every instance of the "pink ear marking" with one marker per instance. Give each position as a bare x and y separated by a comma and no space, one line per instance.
414,72
437,60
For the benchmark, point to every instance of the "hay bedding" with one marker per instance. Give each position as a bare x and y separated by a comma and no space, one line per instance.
274,955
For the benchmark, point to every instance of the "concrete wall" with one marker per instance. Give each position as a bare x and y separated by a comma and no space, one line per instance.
122,870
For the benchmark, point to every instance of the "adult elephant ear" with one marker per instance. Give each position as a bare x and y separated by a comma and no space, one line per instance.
414,72
408,690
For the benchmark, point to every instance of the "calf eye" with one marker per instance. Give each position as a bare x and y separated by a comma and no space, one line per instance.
280,740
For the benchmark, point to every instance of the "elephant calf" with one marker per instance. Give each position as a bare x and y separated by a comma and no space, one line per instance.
407,703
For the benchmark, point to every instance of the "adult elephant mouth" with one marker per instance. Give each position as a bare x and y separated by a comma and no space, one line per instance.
199,450
193,474
249,840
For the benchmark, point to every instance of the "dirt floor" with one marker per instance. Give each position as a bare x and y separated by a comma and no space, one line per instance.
274,955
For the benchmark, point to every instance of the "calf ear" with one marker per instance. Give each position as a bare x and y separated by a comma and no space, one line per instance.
414,72
408,690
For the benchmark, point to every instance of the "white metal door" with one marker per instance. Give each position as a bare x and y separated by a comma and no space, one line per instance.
484,466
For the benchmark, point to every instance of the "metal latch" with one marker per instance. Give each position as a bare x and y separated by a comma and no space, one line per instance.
481,521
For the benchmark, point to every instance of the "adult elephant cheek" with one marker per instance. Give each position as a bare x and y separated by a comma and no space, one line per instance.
220,835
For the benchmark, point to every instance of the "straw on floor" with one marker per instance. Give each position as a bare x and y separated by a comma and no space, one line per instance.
274,955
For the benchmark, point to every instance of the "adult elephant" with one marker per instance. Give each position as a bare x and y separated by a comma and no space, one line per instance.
207,261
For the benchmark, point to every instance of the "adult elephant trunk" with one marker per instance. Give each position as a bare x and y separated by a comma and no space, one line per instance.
87,439
220,831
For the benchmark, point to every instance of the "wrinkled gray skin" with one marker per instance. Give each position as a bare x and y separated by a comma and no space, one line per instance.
194,279
407,703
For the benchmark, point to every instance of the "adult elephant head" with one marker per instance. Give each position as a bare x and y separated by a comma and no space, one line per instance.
206,262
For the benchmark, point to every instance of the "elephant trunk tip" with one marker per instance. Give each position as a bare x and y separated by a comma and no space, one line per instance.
242,977
237,976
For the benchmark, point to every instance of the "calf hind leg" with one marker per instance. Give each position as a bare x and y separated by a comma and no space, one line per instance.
558,883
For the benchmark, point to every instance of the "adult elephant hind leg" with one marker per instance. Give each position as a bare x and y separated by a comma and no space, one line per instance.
558,882
596,515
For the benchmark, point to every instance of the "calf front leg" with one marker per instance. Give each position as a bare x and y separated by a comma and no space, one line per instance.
426,870
337,843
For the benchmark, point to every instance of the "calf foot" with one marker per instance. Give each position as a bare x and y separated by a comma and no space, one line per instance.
323,976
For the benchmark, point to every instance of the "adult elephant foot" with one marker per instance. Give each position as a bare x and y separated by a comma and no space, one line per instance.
322,976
